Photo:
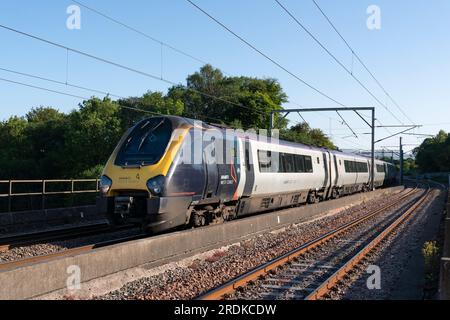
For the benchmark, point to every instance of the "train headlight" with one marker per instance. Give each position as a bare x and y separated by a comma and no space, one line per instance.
105,184
156,185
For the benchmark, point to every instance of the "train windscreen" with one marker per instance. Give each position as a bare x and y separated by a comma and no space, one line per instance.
146,143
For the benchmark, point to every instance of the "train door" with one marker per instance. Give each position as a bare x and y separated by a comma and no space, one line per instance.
386,174
327,178
331,168
337,167
228,169
212,173
249,169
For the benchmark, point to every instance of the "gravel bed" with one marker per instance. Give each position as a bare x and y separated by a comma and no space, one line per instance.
204,274
399,258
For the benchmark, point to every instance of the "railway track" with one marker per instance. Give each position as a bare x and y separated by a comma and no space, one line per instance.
304,273
68,252
8,243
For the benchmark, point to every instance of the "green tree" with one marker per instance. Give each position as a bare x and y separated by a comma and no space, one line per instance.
93,132
45,129
302,133
15,159
433,155
212,97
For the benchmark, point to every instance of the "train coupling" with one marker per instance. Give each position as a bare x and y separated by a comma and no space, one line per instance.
123,206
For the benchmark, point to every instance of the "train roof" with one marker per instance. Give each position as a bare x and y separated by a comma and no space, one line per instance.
177,121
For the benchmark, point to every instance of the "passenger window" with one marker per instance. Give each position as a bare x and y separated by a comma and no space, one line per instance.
308,164
265,163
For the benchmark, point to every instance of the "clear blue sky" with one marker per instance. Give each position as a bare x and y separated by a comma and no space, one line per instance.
409,55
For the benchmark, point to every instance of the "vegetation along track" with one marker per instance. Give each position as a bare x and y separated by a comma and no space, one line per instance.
298,273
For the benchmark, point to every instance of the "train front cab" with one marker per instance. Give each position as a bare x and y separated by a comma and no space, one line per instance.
141,180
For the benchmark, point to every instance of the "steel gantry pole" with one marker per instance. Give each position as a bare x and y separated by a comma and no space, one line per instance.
271,123
401,161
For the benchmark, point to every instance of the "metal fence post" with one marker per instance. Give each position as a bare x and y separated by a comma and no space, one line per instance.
43,195
72,195
10,196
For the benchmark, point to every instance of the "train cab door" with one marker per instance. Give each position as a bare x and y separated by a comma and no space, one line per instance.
229,170
337,166
212,173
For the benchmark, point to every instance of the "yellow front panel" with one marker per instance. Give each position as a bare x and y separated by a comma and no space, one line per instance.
136,178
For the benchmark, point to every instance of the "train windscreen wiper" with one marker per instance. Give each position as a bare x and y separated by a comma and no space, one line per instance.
149,133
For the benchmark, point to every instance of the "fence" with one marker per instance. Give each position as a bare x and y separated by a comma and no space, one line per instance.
45,189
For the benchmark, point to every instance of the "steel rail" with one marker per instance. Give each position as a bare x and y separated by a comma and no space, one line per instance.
329,283
68,252
8,243
232,285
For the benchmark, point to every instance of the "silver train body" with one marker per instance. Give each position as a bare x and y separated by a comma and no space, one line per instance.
148,181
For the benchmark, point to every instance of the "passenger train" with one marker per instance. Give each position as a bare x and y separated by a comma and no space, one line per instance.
169,172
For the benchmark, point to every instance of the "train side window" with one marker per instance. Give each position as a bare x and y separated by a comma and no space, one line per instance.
318,160
289,163
283,163
265,162
299,163
275,161
308,164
